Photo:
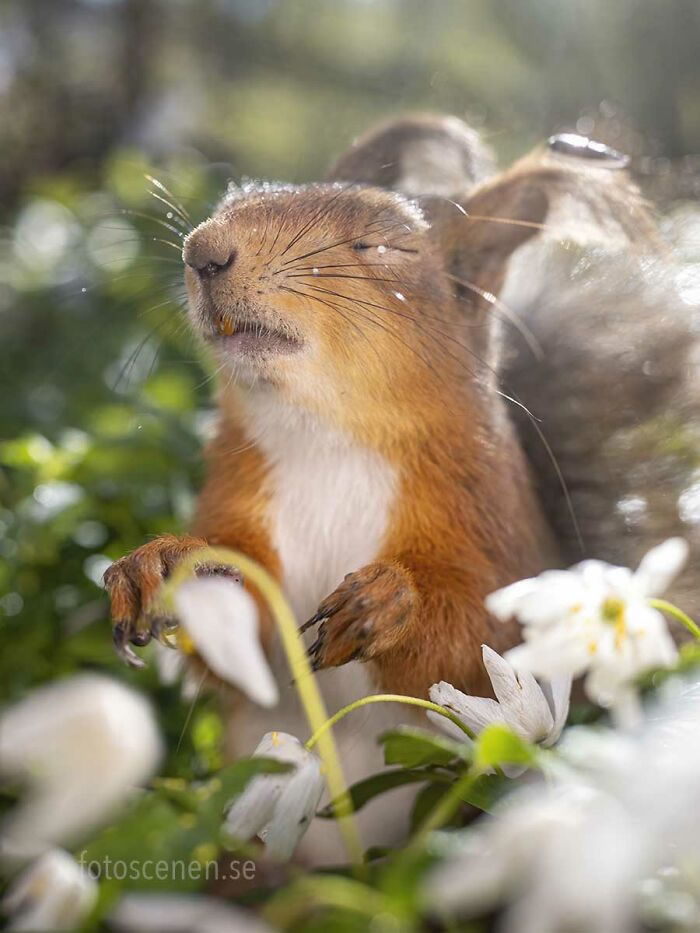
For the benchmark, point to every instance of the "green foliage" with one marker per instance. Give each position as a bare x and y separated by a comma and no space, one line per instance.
414,747
364,791
498,745
176,822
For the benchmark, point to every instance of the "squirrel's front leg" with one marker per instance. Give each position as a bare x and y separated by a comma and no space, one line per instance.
133,582
364,616
416,624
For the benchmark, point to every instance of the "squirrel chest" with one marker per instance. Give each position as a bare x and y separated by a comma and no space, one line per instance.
330,499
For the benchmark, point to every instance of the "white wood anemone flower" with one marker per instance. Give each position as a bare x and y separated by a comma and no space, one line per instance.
278,807
594,619
52,893
559,858
81,746
578,850
220,621
535,712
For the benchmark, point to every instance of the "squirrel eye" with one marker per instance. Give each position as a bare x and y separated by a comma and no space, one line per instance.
383,248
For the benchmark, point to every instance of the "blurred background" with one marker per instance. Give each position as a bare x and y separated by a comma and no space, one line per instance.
120,123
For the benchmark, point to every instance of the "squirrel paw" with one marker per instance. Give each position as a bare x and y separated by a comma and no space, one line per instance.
364,617
132,583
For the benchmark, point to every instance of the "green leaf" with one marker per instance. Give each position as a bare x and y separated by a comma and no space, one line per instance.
487,790
498,745
411,748
377,853
426,801
364,791
176,824
483,793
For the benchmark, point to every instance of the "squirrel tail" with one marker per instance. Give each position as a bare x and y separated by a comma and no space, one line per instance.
617,396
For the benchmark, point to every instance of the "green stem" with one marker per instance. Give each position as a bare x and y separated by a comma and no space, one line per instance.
386,698
299,663
292,903
445,808
678,614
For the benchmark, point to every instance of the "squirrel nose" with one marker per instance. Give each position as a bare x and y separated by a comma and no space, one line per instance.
206,251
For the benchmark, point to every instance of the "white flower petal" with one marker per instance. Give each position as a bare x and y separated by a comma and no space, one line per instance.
473,880
597,752
522,702
294,810
475,712
53,893
541,601
158,913
558,694
503,851
283,747
278,807
504,603
170,663
556,653
449,728
252,810
593,573
82,745
221,619
660,565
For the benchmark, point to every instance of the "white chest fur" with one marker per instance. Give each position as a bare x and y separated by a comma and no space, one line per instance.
330,500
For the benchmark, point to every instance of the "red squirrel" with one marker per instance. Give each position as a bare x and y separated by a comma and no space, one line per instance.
370,450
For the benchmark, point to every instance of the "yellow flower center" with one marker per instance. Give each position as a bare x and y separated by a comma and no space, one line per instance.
613,612
185,643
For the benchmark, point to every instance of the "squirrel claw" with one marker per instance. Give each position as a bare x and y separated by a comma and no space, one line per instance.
132,584
363,618
314,620
121,639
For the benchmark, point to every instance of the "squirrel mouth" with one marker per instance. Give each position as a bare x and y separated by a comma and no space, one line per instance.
253,338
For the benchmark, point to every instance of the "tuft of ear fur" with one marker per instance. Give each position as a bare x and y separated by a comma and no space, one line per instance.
418,154
546,194
555,196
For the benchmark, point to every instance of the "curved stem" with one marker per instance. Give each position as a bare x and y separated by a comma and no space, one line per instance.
445,808
298,661
678,614
386,698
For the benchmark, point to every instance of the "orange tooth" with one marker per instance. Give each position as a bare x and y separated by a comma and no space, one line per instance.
227,328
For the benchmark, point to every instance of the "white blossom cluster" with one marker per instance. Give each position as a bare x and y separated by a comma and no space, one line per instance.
607,839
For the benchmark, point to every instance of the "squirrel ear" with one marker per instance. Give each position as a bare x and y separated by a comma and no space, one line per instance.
418,154
547,193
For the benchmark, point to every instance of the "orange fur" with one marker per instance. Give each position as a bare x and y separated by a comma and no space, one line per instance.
399,357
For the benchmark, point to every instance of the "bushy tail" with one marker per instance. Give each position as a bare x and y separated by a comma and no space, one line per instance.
616,389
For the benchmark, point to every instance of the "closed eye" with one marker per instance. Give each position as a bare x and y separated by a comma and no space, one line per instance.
381,247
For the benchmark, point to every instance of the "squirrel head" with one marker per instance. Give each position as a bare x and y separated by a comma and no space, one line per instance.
373,295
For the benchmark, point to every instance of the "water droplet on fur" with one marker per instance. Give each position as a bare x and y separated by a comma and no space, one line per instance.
314,271
581,147
400,296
